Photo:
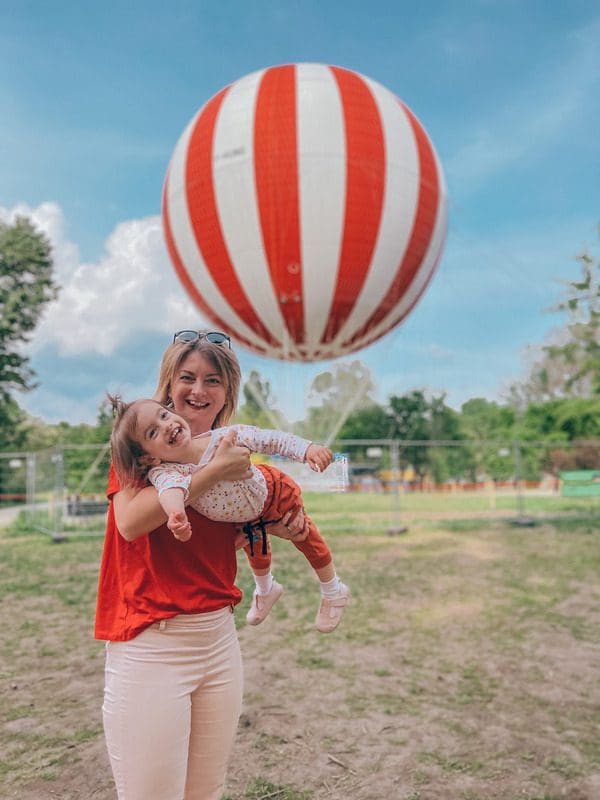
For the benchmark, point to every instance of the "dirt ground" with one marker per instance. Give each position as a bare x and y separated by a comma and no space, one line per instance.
446,680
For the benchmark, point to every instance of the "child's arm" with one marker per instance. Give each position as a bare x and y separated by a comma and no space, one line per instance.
272,442
318,457
284,444
138,511
173,504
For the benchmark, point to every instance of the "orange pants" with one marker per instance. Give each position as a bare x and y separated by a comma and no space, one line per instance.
285,495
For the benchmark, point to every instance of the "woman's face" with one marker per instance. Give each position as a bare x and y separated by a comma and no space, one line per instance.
198,392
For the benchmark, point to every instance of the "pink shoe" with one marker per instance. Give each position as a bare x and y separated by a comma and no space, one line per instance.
262,604
331,610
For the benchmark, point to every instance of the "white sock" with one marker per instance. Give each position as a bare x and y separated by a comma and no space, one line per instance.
264,583
331,588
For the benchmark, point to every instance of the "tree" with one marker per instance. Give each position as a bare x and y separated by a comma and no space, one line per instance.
568,365
26,287
561,420
415,417
259,404
334,395
13,436
584,455
370,422
446,461
484,421
581,351
409,421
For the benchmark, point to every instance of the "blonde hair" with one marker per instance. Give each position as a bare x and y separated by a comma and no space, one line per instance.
224,361
126,450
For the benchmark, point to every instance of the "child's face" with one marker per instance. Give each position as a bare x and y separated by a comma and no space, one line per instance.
162,434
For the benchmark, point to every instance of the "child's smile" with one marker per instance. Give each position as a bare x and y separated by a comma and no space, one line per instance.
163,435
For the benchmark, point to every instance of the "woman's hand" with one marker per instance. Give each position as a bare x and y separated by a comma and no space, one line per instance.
232,461
293,526
241,540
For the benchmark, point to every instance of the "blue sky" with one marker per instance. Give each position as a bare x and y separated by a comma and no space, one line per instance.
95,96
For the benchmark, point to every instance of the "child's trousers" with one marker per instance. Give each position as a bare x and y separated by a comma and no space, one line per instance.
172,701
285,495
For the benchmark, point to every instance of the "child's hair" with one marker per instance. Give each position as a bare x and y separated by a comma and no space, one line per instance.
125,447
224,362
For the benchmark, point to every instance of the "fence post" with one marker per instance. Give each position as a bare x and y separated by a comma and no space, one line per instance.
521,519
396,526
58,494
30,486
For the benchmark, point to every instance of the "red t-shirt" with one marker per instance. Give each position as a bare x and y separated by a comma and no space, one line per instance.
156,576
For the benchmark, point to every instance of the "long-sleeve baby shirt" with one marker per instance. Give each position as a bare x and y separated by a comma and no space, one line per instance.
232,501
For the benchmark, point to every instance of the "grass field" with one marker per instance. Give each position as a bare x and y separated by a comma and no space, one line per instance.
466,667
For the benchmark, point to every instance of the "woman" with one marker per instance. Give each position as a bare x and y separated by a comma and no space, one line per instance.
173,687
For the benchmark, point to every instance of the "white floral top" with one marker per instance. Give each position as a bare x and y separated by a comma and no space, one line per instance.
232,501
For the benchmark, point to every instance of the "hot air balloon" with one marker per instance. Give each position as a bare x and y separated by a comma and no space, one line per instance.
305,211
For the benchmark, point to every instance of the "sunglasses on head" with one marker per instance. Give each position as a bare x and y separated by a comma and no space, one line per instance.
189,337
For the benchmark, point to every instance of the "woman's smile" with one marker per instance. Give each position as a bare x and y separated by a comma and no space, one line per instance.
198,392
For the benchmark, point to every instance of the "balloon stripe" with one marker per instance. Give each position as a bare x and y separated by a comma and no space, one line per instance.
237,208
424,274
365,182
187,248
184,277
322,192
378,333
204,217
276,173
399,208
427,209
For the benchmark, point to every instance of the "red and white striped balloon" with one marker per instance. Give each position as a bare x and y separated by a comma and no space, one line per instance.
305,211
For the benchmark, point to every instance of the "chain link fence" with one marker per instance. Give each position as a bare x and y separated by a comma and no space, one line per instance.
522,481
61,489
389,483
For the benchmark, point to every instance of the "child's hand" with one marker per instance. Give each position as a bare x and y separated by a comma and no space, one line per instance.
179,525
318,457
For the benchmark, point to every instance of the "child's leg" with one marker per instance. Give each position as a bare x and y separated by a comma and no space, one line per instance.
317,553
267,591
284,496
334,594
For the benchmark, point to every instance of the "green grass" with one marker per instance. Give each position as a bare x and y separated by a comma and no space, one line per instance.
467,502
454,627
264,790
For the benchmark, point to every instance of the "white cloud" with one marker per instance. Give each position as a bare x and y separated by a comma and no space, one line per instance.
49,219
132,289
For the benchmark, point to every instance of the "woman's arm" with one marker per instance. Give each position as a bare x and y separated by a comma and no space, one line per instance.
138,511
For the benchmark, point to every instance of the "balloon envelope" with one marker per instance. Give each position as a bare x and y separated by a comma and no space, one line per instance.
305,211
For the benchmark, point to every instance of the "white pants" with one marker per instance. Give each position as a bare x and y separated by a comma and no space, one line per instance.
172,701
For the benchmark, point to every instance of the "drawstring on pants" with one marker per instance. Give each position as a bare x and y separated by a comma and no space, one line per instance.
250,527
